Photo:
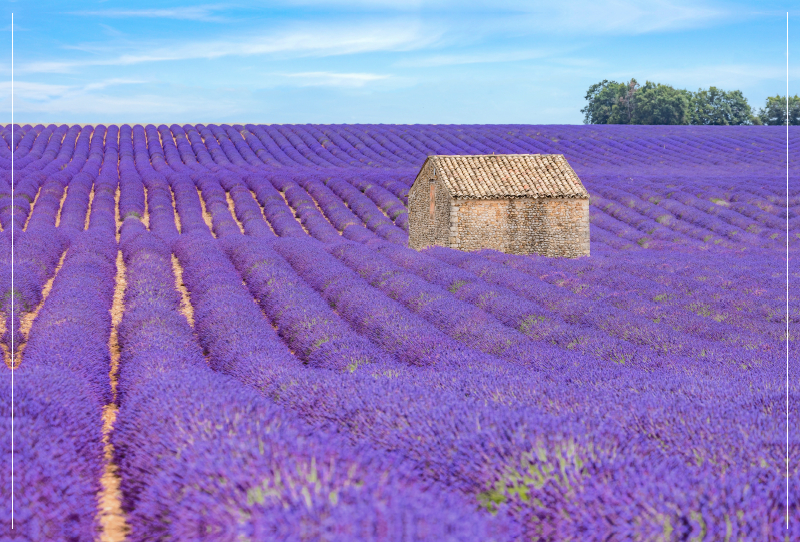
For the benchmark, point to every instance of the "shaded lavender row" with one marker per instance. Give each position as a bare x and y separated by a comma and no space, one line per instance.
313,331
388,202
461,321
694,283
608,282
690,216
605,280
365,209
530,318
611,320
657,223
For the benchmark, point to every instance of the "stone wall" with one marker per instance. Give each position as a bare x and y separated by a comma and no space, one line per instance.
425,230
546,226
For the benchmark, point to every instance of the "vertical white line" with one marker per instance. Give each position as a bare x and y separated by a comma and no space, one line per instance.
787,270
12,272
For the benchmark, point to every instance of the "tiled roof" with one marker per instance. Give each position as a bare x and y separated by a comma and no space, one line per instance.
509,176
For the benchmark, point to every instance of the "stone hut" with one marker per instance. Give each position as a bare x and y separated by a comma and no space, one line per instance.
515,203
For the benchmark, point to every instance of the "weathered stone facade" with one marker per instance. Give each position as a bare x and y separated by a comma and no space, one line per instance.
517,224
429,228
546,226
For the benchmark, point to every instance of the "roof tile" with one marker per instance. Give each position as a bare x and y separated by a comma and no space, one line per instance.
509,175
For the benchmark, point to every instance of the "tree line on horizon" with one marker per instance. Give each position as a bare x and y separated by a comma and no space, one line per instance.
610,102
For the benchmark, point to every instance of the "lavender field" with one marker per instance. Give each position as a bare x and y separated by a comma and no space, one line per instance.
219,333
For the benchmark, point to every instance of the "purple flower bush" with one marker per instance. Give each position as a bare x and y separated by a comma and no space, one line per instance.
58,455
332,384
72,328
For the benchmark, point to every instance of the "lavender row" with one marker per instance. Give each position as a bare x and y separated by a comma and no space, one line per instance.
613,321
644,303
305,209
530,318
690,283
334,209
388,203
382,320
458,319
63,383
314,332
246,208
365,209
686,208
281,219
71,329
58,454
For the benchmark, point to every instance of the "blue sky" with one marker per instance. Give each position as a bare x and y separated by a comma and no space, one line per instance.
381,61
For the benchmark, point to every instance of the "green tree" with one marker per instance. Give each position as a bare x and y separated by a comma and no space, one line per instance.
718,107
630,103
661,104
625,109
610,102
602,98
774,112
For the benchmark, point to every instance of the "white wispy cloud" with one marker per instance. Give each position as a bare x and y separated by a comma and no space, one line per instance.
728,77
98,102
33,91
316,40
115,81
112,108
633,17
587,17
38,92
17,28
473,58
191,13
331,79
110,30
364,5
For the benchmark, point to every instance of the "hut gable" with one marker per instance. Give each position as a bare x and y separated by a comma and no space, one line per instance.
522,204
